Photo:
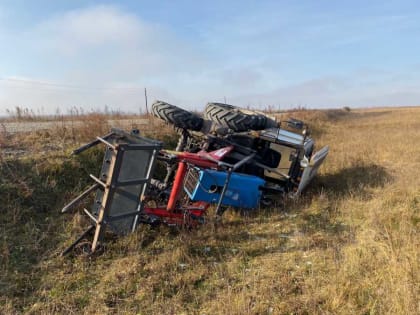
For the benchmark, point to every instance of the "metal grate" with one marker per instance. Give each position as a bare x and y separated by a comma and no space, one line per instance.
191,180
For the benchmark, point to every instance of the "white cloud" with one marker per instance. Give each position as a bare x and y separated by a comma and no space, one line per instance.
100,46
107,37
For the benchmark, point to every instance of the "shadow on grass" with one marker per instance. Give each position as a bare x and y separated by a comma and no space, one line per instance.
350,181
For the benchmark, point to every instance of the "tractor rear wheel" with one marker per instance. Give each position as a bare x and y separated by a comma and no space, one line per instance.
236,118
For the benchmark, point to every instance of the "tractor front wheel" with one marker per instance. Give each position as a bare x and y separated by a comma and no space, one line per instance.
177,116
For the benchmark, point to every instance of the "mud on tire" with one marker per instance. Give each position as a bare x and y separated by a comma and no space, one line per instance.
237,119
177,116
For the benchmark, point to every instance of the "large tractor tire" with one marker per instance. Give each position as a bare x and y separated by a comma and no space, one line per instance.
237,119
177,116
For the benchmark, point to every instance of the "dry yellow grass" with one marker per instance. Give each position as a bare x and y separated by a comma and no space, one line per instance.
351,245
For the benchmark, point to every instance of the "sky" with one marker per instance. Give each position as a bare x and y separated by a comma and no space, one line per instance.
59,55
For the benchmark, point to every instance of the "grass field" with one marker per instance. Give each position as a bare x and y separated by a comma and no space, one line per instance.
350,245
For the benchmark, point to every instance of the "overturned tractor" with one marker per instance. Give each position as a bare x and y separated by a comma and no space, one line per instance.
230,158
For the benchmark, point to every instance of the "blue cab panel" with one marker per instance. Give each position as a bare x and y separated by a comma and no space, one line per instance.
206,185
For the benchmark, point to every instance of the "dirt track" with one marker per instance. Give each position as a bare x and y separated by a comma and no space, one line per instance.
15,127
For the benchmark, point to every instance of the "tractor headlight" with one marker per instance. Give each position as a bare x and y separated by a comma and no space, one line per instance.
304,162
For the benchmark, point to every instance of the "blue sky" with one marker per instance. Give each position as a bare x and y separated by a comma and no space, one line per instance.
317,54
